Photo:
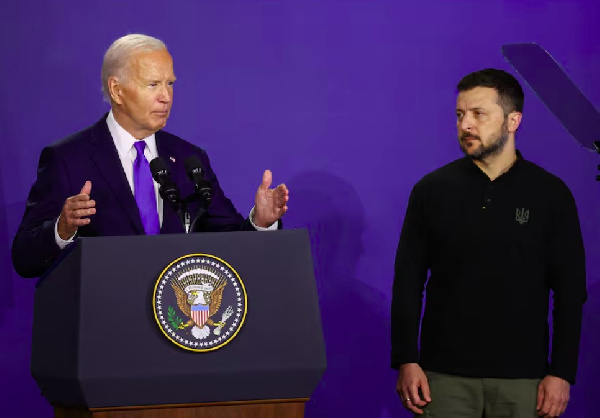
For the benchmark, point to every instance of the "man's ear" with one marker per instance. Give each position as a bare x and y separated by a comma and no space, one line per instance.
115,90
514,120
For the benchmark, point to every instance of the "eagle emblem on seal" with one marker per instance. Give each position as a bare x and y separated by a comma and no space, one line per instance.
199,297
200,302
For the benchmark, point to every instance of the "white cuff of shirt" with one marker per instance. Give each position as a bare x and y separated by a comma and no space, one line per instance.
61,242
260,228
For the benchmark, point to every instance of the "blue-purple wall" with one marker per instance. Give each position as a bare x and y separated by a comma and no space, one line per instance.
348,102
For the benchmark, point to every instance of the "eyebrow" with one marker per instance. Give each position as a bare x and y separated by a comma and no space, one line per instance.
155,80
473,109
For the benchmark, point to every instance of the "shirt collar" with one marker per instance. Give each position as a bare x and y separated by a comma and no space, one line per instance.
470,165
124,140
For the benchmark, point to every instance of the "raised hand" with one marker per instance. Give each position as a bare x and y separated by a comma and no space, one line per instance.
269,204
75,212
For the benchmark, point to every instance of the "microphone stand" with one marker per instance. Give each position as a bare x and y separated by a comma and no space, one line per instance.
169,191
204,203
184,214
202,193
179,206
202,190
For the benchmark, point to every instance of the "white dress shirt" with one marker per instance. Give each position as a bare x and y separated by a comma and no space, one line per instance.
127,154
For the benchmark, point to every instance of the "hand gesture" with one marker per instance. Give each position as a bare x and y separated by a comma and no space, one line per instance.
75,212
269,204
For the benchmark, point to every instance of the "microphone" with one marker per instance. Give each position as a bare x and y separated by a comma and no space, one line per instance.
195,171
168,190
202,189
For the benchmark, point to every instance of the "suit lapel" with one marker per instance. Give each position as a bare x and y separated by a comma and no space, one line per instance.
105,157
166,150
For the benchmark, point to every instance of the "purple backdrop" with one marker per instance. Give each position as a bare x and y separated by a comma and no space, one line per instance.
348,102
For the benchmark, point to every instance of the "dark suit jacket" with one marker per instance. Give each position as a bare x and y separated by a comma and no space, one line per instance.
91,155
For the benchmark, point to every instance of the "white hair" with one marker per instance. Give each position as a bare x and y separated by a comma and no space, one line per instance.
116,58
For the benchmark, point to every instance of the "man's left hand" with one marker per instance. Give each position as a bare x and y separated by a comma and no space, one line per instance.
269,204
553,396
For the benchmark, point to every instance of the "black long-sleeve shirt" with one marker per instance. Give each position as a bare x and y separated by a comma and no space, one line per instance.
494,249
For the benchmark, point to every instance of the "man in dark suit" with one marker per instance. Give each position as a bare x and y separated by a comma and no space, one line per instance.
97,182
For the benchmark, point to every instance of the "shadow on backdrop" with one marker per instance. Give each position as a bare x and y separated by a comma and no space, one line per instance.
6,270
355,316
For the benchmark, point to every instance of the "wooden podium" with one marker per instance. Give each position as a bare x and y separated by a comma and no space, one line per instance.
99,352
288,408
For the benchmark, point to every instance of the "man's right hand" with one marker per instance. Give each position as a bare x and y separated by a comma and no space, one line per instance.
75,212
413,388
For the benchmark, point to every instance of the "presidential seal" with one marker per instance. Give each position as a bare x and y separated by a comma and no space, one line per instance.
199,302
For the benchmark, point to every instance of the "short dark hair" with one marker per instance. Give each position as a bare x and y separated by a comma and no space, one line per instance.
510,93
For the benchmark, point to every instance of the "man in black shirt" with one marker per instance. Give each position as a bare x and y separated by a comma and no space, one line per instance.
496,233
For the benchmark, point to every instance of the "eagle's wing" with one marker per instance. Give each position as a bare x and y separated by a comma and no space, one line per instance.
216,298
182,301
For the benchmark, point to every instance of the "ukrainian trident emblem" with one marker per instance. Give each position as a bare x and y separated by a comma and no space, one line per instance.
522,216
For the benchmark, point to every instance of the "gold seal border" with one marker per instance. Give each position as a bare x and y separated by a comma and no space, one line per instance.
158,321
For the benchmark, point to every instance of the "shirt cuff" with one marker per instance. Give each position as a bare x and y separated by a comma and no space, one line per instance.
273,227
59,241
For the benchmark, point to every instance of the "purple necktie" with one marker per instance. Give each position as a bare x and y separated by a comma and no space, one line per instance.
145,196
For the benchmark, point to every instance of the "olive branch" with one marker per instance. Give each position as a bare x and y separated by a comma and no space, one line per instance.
173,319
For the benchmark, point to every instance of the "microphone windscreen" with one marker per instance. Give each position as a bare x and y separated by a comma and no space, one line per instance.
192,163
158,166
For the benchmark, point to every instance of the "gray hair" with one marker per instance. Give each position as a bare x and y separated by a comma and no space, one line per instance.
116,58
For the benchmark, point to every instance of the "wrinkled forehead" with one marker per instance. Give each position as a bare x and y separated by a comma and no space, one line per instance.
152,64
478,97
